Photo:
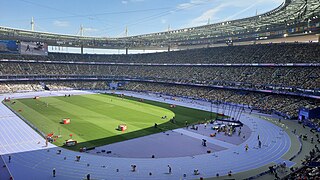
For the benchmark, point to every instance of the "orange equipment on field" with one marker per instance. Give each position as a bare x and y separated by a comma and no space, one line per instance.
122,127
66,121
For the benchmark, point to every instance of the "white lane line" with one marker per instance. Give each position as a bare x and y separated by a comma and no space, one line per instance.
209,139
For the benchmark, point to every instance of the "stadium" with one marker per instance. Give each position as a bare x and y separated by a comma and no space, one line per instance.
234,99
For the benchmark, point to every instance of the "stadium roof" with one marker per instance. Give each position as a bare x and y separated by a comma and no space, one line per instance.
290,14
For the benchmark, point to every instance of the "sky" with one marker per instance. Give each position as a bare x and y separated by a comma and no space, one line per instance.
109,18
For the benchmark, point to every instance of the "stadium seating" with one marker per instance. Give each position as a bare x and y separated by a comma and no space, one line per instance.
260,53
238,75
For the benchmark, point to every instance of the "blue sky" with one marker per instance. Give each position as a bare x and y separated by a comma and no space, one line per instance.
109,18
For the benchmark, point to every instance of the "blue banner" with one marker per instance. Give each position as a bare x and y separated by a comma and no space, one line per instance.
9,47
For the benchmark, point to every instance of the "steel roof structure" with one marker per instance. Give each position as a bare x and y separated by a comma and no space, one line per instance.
291,17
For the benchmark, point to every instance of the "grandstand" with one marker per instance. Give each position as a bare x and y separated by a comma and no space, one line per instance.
268,64
292,17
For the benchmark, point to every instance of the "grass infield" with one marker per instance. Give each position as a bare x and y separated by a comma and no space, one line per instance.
95,118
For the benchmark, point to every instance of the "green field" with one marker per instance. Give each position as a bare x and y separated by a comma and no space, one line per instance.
95,118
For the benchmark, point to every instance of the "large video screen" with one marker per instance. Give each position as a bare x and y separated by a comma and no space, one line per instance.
8,46
34,48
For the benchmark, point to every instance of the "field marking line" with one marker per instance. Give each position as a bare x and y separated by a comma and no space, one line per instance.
209,139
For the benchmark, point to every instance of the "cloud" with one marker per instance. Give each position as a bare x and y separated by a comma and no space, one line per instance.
131,1
219,7
90,29
242,11
208,14
61,23
191,3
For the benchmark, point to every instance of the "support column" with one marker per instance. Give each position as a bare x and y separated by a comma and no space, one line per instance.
127,51
81,49
32,24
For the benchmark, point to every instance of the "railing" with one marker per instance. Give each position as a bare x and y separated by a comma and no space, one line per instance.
168,64
272,89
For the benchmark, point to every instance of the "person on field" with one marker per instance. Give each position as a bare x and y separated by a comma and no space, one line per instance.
259,144
54,172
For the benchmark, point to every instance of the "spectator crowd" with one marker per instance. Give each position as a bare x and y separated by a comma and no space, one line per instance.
265,102
246,77
285,78
282,78
260,53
